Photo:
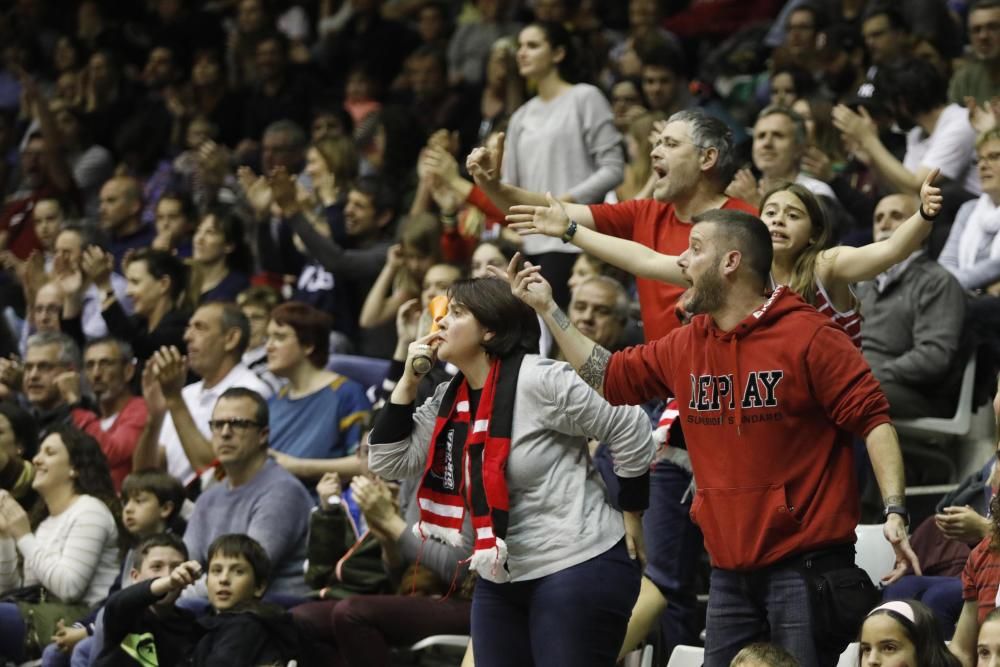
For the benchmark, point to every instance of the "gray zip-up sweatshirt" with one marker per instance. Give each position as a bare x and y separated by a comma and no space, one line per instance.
559,510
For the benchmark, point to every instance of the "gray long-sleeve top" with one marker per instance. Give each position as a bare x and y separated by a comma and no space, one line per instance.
559,511
985,271
568,144
912,329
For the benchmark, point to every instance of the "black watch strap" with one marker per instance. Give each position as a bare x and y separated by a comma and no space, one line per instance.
570,232
897,509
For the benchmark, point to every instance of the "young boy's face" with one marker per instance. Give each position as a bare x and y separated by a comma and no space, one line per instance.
144,515
159,562
231,581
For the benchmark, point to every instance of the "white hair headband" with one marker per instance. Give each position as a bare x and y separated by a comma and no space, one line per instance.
898,606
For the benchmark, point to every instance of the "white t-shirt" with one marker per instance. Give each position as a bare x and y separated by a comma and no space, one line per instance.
951,148
815,186
200,403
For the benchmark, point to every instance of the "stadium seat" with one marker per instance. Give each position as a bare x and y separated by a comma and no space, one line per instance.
874,553
369,371
687,656
922,438
849,658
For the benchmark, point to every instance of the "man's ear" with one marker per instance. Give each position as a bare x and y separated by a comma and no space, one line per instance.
488,336
259,589
134,575
232,339
731,262
709,158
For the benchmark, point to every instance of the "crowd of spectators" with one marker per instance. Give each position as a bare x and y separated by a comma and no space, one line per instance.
208,205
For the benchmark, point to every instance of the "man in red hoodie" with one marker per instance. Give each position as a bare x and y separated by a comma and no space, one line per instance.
770,394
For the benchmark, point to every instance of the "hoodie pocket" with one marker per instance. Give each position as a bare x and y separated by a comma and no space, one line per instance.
742,525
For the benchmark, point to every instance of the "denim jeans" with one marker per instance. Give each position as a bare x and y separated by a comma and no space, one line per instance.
768,605
942,594
572,618
12,631
673,543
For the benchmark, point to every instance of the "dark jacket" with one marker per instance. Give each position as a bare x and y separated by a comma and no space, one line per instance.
339,560
253,634
130,619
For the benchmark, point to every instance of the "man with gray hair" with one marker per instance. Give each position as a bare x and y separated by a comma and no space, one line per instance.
599,309
779,142
177,436
118,418
693,161
48,355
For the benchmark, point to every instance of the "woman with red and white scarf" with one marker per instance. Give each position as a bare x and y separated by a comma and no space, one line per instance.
506,441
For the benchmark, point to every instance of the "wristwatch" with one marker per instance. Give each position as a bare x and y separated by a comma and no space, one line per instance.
570,232
897,509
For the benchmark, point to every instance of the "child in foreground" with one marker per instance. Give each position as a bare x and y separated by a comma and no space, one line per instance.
241,630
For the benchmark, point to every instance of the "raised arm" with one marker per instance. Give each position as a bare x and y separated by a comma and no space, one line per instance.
588,358
483,164
171,369
862,129
554,220
850,265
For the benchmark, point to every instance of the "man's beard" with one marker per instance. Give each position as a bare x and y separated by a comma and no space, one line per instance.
706,295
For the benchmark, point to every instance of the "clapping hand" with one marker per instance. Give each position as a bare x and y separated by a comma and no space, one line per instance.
97,266
13,519
744,186
68,383
855,125
283,190
256,190
483,163
170,367
982,118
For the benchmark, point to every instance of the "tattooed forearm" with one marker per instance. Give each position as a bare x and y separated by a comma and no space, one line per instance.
593,369
559,317
895,500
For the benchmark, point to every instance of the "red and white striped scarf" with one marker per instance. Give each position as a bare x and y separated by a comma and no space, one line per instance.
466,468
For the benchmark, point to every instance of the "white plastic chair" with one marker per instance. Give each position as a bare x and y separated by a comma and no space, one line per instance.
922,437
931,428
451,641
647,656
687,656
874,553
849,658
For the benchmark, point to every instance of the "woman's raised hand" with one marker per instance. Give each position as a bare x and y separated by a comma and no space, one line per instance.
930,195
528,285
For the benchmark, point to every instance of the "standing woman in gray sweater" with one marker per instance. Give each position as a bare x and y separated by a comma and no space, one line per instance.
506,442
562,141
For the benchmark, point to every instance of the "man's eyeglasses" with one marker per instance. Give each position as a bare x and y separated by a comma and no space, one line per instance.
992,158
238,426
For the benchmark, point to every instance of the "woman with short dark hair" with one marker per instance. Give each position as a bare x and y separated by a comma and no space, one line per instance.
317,418
506,441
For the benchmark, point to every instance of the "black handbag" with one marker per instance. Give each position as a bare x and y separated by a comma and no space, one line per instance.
840,594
